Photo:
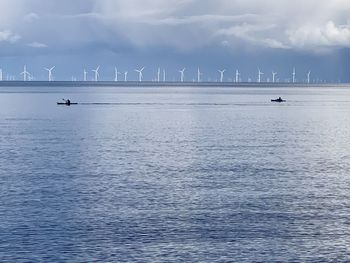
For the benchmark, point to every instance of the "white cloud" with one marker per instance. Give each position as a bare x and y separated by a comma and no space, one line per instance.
31,17
328,35
8,36
191,23
37,45
179,24
254,33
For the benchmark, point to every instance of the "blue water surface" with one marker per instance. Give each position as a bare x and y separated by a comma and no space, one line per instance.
174,175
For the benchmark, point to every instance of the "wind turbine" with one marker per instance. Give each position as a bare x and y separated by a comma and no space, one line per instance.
30,77
97,75
164,75
49,70
259,75
237,75
125,76
308,77
222,72
1,77
294,75
85,74
158,75
116,74
274,74
25,73
182,72
199,75
140,73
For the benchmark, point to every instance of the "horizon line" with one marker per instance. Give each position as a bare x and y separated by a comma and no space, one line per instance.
81,83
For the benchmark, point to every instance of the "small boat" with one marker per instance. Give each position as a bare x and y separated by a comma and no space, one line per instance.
66,103
278,100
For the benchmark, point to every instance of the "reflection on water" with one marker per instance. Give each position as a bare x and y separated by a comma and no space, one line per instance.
174,175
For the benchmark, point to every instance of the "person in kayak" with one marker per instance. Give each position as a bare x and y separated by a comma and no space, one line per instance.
278,100
67,102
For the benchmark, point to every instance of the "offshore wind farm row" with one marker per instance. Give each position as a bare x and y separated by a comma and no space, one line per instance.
161,76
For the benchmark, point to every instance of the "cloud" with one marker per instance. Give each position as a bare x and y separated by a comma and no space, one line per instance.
37,45
31,17
257,34
329,35
8,36
272,25
177,24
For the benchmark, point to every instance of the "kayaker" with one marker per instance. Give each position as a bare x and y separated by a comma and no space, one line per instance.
278,100
68,102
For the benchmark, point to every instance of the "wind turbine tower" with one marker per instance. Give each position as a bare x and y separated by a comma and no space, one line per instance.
125,76
237,76
308,77
158,75
199,75
25,73
259,75
1,77
49,70
85,74
182,72
274,74
164,75
116,74
294,75
140,71
97,75
222,72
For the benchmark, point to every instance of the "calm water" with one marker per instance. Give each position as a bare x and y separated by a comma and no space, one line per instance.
174,175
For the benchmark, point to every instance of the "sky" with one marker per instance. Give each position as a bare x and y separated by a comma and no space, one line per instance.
273,35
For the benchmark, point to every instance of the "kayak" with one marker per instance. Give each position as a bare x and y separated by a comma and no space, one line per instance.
278,100
65,103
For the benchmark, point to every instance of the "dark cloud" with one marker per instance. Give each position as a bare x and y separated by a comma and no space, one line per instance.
233,33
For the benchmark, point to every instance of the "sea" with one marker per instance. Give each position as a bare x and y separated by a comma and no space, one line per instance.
175,174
